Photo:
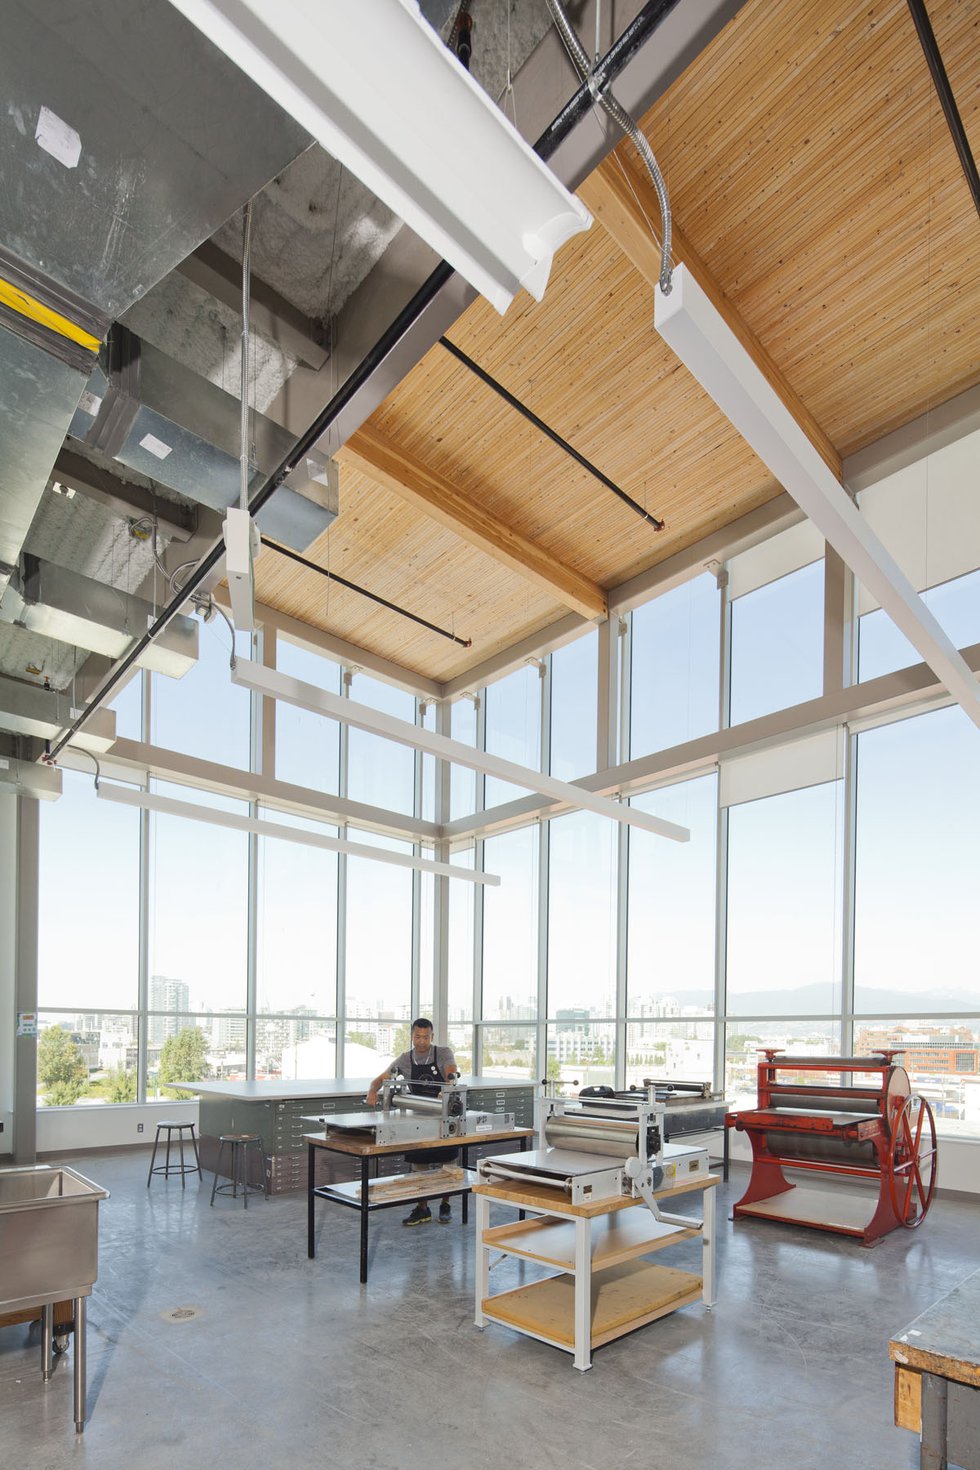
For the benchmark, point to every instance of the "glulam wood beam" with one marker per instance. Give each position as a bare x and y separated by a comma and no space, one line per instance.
385,462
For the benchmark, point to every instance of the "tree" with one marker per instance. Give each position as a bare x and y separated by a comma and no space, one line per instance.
553,1070
183,1058
403,1039
364,1038
60,1067
119,1086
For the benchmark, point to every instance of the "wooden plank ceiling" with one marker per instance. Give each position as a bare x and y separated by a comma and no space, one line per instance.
812,175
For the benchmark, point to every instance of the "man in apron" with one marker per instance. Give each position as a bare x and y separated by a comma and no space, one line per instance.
424,1064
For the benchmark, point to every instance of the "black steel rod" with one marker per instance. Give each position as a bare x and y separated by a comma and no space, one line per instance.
313,566
549,432
617,57
934,60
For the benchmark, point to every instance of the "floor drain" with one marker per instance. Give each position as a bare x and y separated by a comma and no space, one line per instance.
181,1314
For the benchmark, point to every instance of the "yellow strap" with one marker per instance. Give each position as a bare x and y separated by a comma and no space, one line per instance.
19,301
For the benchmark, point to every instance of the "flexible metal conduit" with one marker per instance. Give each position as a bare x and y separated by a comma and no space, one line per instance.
618,56
605,99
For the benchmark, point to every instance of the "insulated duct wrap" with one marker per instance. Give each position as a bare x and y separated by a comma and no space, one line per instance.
611,1139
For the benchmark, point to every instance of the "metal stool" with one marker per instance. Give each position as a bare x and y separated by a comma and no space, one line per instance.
166,1169
241,1145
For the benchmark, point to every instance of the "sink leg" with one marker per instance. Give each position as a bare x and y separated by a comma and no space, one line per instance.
47,1340
80,1305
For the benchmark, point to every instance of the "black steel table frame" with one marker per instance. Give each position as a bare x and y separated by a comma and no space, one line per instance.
364,1205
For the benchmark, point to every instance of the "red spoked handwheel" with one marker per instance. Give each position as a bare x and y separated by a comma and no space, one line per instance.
912,1162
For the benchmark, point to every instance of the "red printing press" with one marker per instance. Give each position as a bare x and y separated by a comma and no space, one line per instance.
863,1122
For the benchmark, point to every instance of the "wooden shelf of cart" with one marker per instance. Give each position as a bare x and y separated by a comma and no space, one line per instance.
603,1289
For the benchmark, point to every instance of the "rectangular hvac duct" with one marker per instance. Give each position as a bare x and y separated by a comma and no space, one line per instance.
27,709
156,416
23,778
70,608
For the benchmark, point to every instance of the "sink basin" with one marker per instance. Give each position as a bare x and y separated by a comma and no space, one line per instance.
49,1235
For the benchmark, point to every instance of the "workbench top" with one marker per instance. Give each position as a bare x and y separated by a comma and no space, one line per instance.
944,1339
282,1090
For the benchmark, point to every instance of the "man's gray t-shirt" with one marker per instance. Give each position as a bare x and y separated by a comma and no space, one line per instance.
443,1058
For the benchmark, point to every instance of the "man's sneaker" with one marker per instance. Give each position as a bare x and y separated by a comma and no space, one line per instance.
421,1215
445,1213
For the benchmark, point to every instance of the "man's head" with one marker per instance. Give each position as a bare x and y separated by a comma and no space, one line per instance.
421,1035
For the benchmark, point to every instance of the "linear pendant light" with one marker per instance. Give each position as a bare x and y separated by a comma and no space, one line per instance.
692,327
276,685
375,86
150,801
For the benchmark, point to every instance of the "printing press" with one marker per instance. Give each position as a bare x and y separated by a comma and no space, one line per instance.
408,1117
592,1148
858,1119
689,1107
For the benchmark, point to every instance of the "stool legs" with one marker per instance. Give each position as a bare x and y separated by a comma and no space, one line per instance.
167,1168
238,1170
153,1159
217,1169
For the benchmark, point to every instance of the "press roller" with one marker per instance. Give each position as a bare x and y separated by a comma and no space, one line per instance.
874,1129
593,1151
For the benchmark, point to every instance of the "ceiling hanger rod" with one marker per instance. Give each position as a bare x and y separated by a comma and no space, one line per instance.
619,55
313,566
550,433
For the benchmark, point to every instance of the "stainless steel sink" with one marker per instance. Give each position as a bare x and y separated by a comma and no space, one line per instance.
49,1251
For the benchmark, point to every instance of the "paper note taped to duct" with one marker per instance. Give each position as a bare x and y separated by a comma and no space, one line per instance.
57,138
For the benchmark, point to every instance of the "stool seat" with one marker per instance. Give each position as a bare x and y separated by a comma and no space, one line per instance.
169,1127
242,1146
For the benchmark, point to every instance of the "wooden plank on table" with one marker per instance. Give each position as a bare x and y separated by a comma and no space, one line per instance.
908,1398
828,1209
943,1339
623,1298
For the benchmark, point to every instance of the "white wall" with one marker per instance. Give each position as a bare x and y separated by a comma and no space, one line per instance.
8,957
60,1130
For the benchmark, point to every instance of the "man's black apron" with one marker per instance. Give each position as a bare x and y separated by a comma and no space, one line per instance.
428,1072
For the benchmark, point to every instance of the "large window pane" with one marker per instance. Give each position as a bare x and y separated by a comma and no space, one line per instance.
674,667
381,772
917,866
379,934
777,644
582,915
89,1057
462,781
204,713
784,940
942,1059
198,907
298,1049
574,693
510,960
581,1051
955,605
800,1038
513,728
307,745
510,1051
671,905
675,1051
296,952
88,900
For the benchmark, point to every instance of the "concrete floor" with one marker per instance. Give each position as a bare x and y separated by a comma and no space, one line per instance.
291,1362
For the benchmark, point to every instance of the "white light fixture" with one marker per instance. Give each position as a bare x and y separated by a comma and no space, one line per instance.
150,801
691,325
375,86
271,682
242,544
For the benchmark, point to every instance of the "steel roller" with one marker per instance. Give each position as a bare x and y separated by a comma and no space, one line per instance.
591,1136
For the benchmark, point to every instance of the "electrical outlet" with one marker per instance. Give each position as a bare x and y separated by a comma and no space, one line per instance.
139,1128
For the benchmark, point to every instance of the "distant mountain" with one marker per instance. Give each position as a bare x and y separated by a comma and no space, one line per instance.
809,1000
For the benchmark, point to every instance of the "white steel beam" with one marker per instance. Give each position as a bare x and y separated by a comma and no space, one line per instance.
691,325
253,676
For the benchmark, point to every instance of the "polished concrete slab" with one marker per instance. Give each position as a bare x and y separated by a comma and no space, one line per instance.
274,1360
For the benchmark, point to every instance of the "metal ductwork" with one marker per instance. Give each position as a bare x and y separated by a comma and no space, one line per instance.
118,161
151,414
70,608
27,709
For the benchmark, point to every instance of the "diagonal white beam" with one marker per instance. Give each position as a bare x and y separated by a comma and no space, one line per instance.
271,682
150,801
691,325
